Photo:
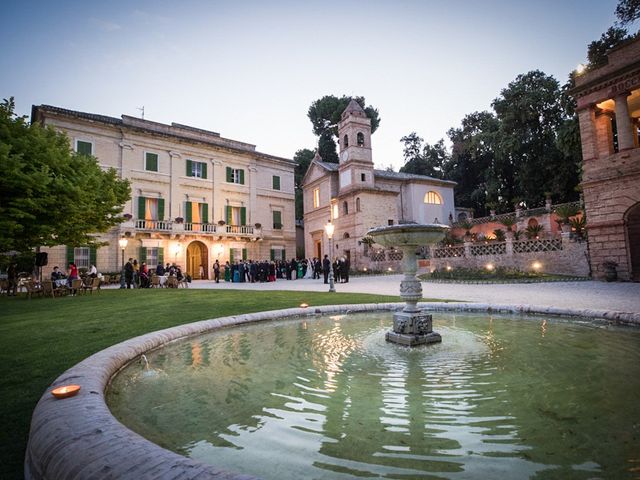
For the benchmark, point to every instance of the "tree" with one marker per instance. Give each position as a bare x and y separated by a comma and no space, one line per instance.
628,11
48,194
422,158
303,158
597,50
325,114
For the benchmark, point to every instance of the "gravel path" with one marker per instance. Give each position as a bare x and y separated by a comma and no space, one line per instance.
621,297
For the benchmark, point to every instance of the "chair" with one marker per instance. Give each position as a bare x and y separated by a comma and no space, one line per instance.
155,281
183,283
106,280
76,285
172,282
93,285
33,289
4,286
49,289
116,278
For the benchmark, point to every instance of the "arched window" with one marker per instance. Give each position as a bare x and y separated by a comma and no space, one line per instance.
345,141
360,139
358,204
345,208
462,217
346,235
532,222
432,198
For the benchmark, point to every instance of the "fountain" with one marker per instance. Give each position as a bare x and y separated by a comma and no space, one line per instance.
411,326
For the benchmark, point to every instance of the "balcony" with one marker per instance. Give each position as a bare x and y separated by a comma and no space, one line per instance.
161,226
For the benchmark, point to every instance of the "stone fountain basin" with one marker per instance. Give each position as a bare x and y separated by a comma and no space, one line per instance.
408,234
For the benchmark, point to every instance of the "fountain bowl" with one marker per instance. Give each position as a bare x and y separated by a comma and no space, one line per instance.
410,234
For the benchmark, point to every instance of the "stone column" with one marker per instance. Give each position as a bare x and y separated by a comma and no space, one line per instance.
623,123
410,287
253,180
587,119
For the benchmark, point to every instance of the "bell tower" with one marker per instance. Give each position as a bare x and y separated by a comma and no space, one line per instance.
354,138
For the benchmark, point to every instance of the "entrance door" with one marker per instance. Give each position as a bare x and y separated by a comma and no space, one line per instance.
197,257
318,245
633,239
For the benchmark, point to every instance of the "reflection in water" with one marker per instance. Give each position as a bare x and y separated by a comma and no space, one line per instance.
329,398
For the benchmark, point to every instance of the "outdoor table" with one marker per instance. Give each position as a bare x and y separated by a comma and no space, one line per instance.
163,279
60,282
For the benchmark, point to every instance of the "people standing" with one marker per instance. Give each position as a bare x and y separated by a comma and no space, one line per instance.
227,272
12,278
216,271
345,270
326,266
128,272
136,274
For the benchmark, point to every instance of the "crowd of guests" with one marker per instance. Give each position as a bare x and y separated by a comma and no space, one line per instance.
138,275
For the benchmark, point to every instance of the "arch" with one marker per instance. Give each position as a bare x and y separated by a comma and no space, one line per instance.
358,204
197,254
346,235
433,198
532,222
632,226
360,138
345,141
345,207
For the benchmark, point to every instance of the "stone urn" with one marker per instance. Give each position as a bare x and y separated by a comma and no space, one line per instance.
411,326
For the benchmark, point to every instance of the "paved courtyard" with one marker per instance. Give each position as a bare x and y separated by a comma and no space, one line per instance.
621,297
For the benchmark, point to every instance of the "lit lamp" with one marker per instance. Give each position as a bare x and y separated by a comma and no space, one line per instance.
176,250
123,244
329,229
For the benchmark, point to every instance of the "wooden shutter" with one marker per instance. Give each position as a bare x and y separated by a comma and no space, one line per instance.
92,255
205,213
244,253
231,258
276,182
284,255
243,215
151,163
204,170
228,214
161,209
188,212
160,255
273,254
242,177
277,219
229,174
143,255
70,255
189,168
83,148
141,207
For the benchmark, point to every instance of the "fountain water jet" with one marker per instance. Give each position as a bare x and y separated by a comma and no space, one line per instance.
411,326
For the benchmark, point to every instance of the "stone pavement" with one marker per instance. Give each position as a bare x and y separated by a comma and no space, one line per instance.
617,296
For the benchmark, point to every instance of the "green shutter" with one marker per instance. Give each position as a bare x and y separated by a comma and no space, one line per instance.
92,255
273,254
143,255
277,219
141,207
205,213
160,255
231,258
276,182
151,162
241,177
188,213
83,148
161,209
229,174
70,255
243,215
284,256
204,170
244,253
189,168
228,214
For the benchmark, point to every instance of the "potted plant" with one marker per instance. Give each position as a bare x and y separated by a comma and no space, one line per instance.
127,216
179,219
508,222
492,208
547,201
500,235
258,226
579,226
467,226
221,223
533,231
610,272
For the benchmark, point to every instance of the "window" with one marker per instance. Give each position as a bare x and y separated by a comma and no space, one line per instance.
389,222
236,216
195,214
84,148
277,253
81,257
151,162
316,197
360,139
196,169
150,208
235,175
432,198
345,208
358,204
152,257
335,210
277,220
276,182
363,177
346,235
345,141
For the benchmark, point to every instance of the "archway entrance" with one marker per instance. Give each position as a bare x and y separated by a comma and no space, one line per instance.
633,240
196,257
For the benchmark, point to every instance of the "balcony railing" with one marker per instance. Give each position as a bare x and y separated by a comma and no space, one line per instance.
190,227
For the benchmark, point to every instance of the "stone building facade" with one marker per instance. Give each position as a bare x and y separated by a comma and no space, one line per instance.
196,196
356,197
608,103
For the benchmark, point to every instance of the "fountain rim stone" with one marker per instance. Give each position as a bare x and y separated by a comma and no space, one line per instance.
389,235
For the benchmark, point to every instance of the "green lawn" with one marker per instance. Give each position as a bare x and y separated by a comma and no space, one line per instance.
41,338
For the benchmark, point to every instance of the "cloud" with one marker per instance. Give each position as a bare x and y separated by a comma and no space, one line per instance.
105,25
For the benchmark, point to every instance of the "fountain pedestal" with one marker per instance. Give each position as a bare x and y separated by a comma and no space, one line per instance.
411,326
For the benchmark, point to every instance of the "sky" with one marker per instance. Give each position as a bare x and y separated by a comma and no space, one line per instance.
250,69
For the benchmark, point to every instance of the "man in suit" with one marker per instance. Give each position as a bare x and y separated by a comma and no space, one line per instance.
326,266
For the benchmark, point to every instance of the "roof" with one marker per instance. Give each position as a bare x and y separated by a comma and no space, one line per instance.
175,130
353,107
333,167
